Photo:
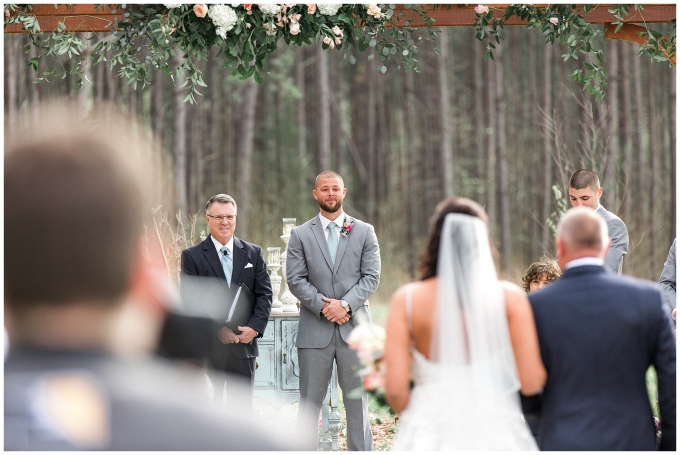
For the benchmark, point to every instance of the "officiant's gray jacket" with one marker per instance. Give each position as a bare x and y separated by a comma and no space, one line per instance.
311,275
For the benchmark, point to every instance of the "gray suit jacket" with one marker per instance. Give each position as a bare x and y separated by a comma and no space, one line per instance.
667,279
311,275
619,235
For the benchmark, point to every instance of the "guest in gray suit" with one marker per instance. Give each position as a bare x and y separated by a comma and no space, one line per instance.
333,267
585,191
667,280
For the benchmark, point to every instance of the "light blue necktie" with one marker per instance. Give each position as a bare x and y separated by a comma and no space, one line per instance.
226,264
332,240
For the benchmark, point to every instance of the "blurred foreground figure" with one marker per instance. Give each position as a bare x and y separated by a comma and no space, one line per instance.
599,333
84,302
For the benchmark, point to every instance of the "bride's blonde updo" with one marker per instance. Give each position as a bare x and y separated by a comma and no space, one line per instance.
454,204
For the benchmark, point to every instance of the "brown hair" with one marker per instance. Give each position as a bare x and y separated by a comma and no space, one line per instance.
455,204
545,267
75,200
584,178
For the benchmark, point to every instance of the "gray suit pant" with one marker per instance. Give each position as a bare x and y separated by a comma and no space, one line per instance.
316,368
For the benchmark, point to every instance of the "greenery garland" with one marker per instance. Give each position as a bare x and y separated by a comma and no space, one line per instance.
148,36
565,24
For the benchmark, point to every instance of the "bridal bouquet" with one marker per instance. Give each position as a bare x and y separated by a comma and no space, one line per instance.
369,342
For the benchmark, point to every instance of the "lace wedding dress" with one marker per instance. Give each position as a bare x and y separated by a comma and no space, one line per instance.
466,398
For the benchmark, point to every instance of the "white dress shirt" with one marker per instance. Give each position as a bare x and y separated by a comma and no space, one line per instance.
338,222
229,245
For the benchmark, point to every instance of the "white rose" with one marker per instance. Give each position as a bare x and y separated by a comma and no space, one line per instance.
294,28
270,9
328,9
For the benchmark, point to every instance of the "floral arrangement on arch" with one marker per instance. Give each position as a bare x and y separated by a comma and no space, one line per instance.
147,36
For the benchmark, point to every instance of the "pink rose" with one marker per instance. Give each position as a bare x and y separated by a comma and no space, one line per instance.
482,9
328,40
374,381
311,8
373,10
294,28
337,30
200,9
554,20
338,41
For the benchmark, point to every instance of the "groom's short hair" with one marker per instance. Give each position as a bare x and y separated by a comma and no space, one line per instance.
584,178
328,175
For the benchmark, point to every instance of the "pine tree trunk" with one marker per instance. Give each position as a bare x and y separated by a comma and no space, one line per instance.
12,84
502,154
179,142
245,152
491,146
445,118
303,187
413,193
547,195
324,137
84,94
612,149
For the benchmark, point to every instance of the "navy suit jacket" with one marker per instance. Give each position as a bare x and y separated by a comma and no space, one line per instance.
598,334
202,260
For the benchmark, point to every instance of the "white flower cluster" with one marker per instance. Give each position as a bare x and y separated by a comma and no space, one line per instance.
329,9
224,18
172,5
270,9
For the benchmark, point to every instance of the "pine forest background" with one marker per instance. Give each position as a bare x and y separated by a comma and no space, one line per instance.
500,132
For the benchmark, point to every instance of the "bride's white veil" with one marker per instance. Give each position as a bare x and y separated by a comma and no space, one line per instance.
471,330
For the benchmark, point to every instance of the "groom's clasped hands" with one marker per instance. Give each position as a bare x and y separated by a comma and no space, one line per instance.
334,311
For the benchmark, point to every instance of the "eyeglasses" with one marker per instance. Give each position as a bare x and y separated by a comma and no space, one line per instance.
230,218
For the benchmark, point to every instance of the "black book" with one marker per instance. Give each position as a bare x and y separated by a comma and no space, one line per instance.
241,308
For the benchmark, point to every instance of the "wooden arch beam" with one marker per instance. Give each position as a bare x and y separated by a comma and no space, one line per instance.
464,15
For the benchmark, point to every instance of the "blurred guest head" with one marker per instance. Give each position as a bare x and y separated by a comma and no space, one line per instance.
77,195
584,189
581,233
456,204
541,273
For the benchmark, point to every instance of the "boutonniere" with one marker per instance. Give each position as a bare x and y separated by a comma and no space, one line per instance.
346,227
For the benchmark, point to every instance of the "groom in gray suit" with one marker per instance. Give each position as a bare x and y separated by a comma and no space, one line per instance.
333,267
585,191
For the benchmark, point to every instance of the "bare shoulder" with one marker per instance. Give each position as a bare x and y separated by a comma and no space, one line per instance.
515,297
399,297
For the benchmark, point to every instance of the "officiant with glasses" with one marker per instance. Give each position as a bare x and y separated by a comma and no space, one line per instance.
213,273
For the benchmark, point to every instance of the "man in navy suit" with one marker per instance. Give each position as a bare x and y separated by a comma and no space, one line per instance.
219,255
599,333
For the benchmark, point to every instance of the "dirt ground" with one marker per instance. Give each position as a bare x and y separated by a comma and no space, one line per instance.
382,423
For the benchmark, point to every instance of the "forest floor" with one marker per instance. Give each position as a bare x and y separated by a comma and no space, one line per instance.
383,424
